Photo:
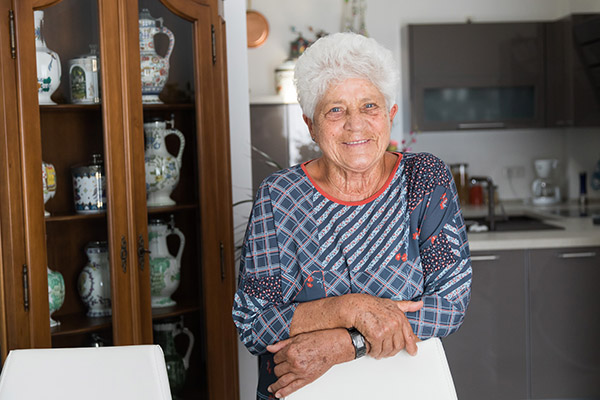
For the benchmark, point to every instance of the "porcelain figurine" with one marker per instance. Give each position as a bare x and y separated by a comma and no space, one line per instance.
94,280
162,168
84,78
164,267
48,63
56,293
165,332
155,69
89,187
48,183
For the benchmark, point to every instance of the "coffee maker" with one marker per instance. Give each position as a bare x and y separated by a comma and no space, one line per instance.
544,188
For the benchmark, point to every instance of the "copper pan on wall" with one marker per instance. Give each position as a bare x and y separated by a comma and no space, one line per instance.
257,27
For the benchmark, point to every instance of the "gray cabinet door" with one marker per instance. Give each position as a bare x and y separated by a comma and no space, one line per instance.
565,323
487,355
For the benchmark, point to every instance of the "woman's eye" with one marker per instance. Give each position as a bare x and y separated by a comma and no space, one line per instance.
370,105
336,110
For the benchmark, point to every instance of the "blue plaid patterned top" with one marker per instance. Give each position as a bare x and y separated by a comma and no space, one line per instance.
406,242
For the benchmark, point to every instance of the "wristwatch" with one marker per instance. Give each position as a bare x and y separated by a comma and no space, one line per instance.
359,343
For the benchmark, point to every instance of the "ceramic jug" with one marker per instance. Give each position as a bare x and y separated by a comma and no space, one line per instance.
155,69
48,183
56,293
165,332
48,63
93,284
162,168
164,267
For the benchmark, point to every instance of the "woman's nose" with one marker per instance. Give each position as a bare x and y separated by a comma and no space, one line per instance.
354,121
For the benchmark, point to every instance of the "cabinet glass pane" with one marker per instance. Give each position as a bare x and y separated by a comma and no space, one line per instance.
173,198
68,60
485,104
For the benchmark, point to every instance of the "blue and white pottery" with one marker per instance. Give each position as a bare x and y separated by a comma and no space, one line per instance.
93,284
89,187
162,168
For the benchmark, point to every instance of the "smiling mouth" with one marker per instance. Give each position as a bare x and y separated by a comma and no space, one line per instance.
357,142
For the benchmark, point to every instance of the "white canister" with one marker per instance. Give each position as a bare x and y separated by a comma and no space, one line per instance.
284,81
84,79
93,284
89,187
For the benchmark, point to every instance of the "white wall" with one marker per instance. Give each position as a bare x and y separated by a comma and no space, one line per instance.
239,122
386,22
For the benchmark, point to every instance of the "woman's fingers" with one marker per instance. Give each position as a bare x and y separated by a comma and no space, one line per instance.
409,306
274,348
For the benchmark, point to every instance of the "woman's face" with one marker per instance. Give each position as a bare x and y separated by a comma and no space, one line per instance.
352,125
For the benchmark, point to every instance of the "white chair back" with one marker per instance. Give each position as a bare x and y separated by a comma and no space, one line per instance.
91,373
424,376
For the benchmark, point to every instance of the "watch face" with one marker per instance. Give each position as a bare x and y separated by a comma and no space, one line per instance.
358,341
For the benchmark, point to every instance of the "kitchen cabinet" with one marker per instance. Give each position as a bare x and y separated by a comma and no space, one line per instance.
564,304
477,75
572,71
487,354
66,134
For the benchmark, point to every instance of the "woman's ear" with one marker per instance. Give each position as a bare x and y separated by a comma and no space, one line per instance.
393,112
309,124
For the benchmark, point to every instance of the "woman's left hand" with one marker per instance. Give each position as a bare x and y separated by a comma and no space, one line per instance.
301,359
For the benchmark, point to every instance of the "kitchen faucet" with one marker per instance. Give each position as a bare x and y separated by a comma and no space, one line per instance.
491,200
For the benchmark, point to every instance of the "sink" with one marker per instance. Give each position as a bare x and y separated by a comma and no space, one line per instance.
514,223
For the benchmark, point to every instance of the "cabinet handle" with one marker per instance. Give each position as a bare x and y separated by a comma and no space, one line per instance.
123,253
481,125
222,254
491,257
25,288
141,250
584,254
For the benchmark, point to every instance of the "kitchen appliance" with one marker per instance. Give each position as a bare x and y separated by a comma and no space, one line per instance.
544,188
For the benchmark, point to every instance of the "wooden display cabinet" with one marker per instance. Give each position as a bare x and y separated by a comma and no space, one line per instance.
65,134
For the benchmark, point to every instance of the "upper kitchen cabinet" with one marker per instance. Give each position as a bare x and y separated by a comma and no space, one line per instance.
115,207
573,71
476,75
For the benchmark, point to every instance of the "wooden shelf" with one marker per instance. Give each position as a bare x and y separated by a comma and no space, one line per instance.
168,209
74,217
72,324
70,107
173,106
179,309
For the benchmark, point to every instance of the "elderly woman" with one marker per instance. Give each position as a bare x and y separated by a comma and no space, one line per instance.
358,251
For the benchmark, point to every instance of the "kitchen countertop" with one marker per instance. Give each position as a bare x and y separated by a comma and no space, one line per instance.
578,231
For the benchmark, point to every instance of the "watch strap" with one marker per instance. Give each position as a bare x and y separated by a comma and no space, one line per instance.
359,343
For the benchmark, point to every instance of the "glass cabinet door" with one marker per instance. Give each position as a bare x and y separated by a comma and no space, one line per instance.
80,257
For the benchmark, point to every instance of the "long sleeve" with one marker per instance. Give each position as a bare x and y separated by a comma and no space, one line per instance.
444,254
259,311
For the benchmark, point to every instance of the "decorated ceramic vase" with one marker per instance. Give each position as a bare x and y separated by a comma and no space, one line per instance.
84,80
48,63
162,168
164,267
155,68
165,332
48,182
94,280
56,293
89,187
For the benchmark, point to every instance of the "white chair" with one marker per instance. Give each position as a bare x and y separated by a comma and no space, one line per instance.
424,376
91,373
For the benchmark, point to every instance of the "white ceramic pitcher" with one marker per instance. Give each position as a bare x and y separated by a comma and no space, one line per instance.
164,267
162,167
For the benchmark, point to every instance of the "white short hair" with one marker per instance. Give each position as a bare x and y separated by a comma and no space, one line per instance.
340,56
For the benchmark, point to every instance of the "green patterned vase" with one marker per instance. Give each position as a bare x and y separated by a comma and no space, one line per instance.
56,293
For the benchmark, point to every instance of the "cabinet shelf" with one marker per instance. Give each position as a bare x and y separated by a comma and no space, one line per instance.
172,106
179,309
72,324
70,107
74,217
168,209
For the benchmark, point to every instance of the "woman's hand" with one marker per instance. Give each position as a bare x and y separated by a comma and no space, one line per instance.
384,324
302,359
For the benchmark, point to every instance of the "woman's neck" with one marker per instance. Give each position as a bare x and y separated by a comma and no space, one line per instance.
351,186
